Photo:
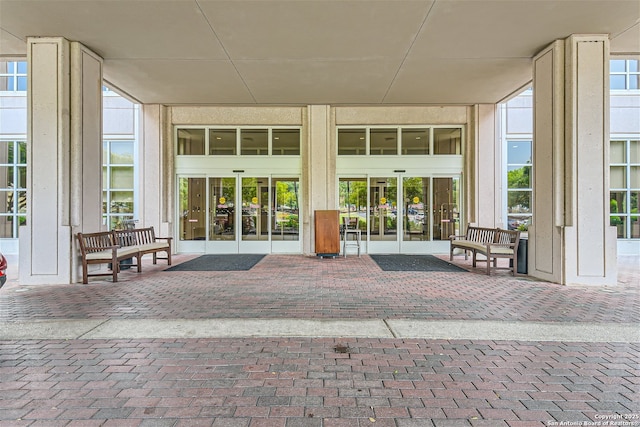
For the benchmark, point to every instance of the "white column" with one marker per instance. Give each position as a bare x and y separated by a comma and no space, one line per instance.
484,168
155,171
64,158
571,241
319,168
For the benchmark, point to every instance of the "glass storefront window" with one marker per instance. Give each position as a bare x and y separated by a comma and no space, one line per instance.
415,141
255,208
286,142
222,192
191,142
352,200
416,208
383,142
447,141
254,142
222,142
286,209
352,142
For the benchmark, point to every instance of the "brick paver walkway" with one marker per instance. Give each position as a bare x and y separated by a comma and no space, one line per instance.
287,381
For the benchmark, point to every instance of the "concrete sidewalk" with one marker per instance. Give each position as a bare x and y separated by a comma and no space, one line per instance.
304,341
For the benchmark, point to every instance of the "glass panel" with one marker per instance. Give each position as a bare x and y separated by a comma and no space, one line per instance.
617,81
620,222
632,65
634,152
121,177
22,202
286,142
383,221
634,81
286,206
519,202
383,142
635,176
22,156
121,202
6,152
190,142
255,208
618,177
416,208
22,176
446,199
415,141
6,227
7,205
518,222
22,83
617,152
352,195
617,202
6,177
222,142
447,141
634,201
22,67
6,83
635,227
254,142
192,208
222,192
617,65
121,152
352,142
519,177
519,152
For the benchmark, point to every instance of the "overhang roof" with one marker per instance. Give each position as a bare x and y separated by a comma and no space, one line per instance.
298,52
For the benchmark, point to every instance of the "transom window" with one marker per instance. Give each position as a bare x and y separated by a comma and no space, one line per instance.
393,141
624,74
13,76
220,141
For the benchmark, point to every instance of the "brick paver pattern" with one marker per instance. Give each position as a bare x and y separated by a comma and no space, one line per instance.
329,382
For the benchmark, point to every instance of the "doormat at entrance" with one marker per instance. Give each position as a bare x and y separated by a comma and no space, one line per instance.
219,262
397,262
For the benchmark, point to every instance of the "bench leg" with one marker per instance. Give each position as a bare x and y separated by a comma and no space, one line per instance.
85,273
139,262
168,256
115,268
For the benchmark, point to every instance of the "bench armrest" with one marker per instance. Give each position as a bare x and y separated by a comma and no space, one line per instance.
456,236
164,238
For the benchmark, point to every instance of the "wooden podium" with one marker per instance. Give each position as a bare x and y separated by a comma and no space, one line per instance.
327,227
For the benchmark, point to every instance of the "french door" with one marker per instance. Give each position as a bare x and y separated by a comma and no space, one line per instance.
239,214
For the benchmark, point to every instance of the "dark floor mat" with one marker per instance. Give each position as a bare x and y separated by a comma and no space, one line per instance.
219,262
414,263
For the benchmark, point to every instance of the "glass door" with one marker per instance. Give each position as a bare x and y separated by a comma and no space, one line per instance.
222,236
192,227
383,215
255,215
285,218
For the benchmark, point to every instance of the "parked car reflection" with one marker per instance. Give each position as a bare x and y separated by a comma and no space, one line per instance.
3,270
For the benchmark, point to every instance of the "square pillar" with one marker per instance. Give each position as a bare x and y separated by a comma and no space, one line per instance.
570,241
64,158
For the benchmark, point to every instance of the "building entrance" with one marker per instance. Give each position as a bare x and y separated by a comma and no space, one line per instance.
239,214
402,214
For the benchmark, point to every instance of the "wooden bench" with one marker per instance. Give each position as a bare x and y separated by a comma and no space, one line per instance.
102,248
146,241
493,243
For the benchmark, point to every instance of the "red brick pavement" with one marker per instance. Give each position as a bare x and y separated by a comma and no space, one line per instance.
289,382
295,286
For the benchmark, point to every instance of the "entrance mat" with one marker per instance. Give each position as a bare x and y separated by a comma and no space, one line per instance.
398,262
219,262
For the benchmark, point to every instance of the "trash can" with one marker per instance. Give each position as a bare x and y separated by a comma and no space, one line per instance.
127,224
523,256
